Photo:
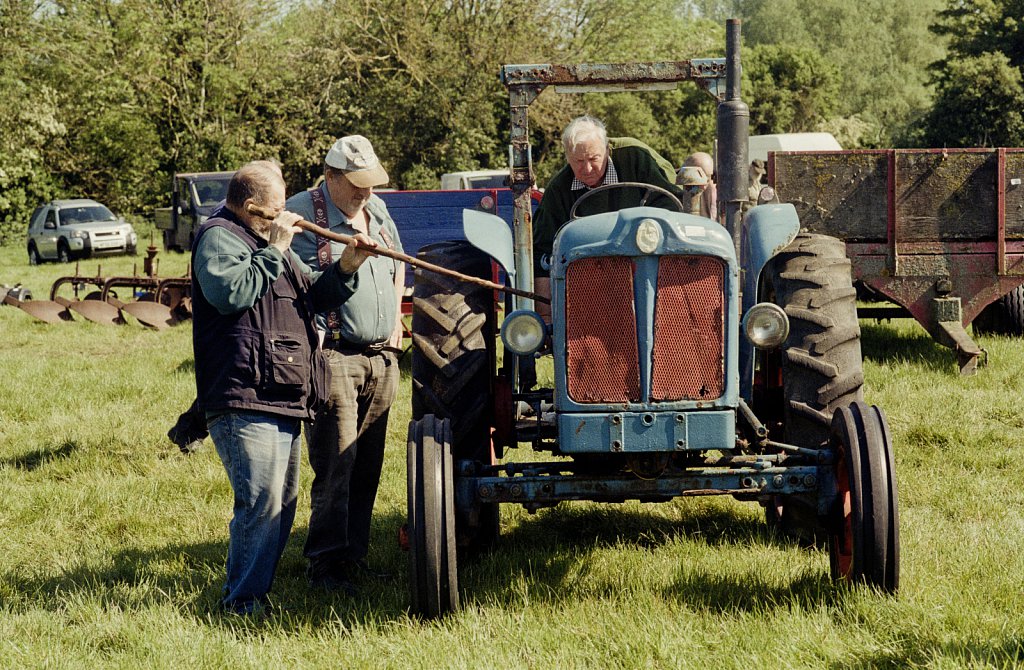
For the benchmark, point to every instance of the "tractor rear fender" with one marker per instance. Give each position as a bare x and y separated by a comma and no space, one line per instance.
770,229
490,234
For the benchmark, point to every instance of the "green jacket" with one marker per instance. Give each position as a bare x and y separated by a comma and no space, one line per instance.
633,160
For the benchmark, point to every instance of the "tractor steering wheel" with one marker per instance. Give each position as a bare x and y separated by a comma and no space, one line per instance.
648,189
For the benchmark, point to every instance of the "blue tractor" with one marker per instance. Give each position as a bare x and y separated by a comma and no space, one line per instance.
690,359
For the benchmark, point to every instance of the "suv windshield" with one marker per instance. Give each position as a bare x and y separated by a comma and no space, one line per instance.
211,191
85,214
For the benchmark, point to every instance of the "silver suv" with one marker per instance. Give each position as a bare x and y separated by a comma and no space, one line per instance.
63,230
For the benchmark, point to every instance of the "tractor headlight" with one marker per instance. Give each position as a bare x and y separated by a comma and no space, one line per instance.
523,332
766,325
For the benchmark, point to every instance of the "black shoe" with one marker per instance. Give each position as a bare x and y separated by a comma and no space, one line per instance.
360,569
333,581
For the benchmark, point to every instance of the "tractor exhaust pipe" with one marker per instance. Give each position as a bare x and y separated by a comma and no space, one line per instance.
733,131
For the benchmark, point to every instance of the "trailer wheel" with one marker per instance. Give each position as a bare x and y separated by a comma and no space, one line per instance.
1004,316
453,365
864,536
433,562
819,368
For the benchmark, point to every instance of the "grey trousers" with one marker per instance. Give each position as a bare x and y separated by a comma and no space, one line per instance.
346,450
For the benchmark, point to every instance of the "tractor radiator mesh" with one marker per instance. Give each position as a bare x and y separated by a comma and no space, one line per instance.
689,329
600,330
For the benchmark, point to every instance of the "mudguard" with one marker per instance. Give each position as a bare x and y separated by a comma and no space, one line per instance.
770,228
490,234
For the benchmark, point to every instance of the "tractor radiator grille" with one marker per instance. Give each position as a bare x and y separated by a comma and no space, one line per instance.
689,329
602,363
600,329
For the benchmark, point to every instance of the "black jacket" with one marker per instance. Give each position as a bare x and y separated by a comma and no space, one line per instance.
265,358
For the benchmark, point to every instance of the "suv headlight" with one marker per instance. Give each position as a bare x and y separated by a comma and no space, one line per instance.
766,325
523,332
78,234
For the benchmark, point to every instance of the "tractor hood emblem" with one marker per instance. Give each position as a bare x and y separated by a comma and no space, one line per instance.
648,236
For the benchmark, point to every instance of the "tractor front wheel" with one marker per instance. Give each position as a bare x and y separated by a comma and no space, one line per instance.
430,496
863,532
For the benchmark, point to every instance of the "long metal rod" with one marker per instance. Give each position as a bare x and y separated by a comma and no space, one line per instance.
269,214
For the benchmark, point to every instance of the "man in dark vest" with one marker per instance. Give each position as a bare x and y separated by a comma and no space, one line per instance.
259,369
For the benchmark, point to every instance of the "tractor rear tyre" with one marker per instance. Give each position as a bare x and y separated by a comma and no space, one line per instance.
819,365
453,365
453,346
822,368
864,535
430,497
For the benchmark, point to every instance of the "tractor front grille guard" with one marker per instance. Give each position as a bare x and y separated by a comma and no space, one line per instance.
602,359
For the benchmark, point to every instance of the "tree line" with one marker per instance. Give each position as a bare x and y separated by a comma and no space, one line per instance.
108,98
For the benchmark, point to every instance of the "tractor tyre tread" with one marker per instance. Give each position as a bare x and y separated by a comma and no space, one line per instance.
821,362
451,338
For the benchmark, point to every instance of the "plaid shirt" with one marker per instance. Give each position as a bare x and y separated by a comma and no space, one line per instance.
610,177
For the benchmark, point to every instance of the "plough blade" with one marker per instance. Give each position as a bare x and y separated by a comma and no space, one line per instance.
96,311
148,313
47,311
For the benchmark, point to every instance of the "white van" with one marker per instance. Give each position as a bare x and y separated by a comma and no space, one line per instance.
760,145
469,179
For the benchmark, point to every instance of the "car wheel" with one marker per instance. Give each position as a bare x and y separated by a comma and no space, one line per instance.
132,250
33,255
63,252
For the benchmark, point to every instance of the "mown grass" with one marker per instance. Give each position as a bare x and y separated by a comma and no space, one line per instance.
114,542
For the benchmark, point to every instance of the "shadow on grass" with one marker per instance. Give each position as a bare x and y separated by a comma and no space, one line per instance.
885,345
549,551
608,525
187,366
190,578
915,651
703,589
37,458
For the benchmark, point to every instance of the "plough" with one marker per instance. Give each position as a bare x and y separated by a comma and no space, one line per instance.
157,302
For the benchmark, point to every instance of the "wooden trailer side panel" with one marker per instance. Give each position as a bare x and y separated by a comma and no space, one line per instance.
839,193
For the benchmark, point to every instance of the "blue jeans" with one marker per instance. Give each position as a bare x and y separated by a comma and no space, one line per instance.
260,453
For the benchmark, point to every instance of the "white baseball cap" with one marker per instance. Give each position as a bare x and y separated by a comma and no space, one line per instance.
354,156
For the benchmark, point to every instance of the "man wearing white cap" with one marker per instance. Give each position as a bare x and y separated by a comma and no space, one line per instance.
361,338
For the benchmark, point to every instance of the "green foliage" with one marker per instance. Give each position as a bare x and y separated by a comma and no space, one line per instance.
980,96
976,27
790,90
879,49
106,99
29,123
980,103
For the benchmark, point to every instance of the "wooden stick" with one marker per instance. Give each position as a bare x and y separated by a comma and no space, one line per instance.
269,214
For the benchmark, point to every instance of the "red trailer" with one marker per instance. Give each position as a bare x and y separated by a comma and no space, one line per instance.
939,232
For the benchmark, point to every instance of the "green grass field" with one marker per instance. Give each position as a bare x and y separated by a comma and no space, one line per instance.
114,542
